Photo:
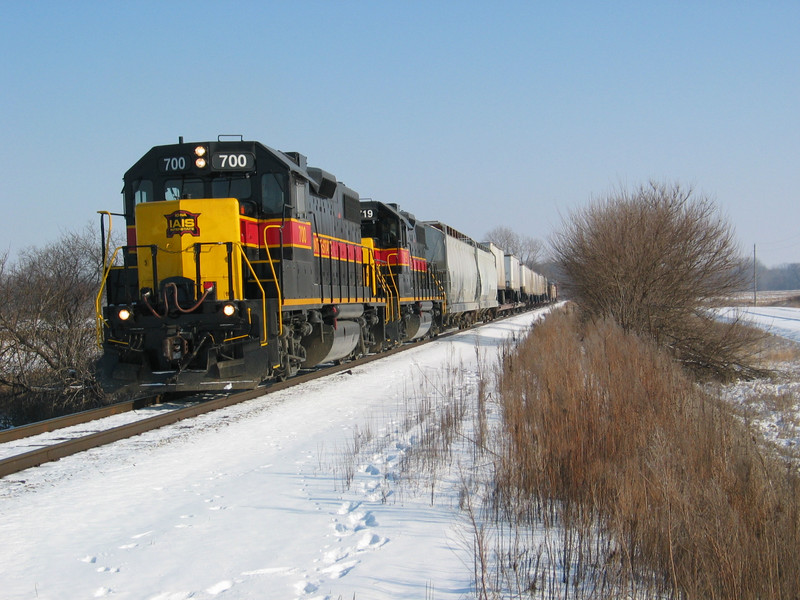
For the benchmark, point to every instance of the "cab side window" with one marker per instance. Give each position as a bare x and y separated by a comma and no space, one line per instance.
142,191
300,197
273,193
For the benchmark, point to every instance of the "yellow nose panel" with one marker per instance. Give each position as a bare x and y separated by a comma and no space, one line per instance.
185,231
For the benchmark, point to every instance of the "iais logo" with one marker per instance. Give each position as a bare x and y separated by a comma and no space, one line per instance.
182,221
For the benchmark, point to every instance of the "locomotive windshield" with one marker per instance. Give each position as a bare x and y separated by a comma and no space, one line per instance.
177,189
231,187
221,187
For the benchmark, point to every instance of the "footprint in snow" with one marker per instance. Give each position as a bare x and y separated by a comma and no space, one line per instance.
361,520
348,507
341,529
339,570
220,587
184,525
371,470
334,556
305,587
370,541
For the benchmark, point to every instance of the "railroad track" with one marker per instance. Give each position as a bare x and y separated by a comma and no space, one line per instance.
33,458
86,416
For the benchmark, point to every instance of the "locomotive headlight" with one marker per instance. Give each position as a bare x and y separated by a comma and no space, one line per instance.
124,314
200,162
228,310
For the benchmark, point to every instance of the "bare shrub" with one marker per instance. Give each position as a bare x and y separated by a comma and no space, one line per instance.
46,328
658,487
654,259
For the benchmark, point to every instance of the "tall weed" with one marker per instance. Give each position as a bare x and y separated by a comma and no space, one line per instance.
655,485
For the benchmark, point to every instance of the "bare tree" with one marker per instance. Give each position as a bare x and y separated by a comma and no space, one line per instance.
654,259
46,327
526,248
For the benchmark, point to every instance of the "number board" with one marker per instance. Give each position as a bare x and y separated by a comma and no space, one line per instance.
173,164
233,161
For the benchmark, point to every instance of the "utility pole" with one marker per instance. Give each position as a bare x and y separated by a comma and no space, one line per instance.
755,282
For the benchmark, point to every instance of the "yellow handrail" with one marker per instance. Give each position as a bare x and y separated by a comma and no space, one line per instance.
274,277
99,320
392,277
108,237
389,298
107,264
441,289
263,293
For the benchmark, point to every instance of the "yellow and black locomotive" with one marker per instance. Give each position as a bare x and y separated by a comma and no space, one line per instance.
242,264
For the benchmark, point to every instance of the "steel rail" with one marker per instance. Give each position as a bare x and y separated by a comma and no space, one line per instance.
79,418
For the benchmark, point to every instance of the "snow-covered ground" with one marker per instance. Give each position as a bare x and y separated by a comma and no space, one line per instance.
252,501
772,406
779,320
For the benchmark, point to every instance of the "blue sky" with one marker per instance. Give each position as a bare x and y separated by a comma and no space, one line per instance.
478,114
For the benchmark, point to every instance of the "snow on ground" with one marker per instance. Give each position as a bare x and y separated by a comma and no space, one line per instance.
251,501
770,405
778,320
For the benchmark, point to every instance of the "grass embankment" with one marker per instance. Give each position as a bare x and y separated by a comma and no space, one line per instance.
630,480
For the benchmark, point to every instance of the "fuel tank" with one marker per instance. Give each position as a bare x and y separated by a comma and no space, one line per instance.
328,342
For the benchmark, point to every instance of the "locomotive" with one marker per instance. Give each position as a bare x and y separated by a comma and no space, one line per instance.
244,264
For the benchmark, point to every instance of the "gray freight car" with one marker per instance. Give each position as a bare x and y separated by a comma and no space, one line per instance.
468,274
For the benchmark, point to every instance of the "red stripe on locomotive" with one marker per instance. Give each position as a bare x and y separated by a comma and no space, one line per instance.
294,233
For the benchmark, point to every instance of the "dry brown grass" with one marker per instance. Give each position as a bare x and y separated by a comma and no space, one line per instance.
657,487
779,350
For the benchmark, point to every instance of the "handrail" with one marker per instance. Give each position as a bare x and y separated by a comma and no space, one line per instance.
263,293
385,287
392,277
99,320
441,289
370,268
105,241
274,277
105,244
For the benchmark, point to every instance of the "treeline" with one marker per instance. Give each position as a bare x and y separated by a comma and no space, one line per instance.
782,277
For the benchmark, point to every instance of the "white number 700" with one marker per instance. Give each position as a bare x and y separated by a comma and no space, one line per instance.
233,160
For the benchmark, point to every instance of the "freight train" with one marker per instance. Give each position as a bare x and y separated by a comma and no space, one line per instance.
244,264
